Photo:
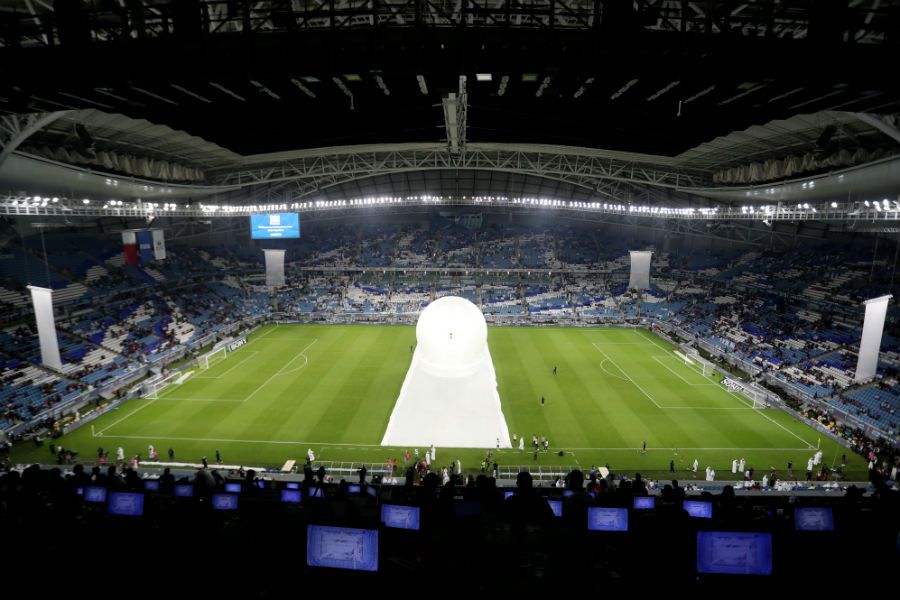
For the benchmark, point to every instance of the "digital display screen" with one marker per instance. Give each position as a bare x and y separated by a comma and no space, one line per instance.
233,488
508,495
94,493
372,491
353,488
293,485
290,496
400,517
151,485
126,504
644,502
607,519
184,490
813,519
556,507
316,492
224,501
702,510
274,226
734,553
342,548
567,493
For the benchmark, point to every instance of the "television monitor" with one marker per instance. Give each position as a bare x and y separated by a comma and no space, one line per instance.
372,491
813,519
292,485
290,496
342,548
607,519
184,490
274,226
260,484
556,506
126,504
95,494
508,494
353,488
316,492
79,491
151,485
734,553
400,517
233,488
644,502
696,508
567,493
224,501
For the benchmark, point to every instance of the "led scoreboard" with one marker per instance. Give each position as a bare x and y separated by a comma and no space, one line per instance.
274,226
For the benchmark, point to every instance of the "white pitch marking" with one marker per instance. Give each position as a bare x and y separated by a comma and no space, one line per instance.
279,371
126,416
350,446
677,374
250,354
628,376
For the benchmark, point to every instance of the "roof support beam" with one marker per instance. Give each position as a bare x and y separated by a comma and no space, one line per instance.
15,129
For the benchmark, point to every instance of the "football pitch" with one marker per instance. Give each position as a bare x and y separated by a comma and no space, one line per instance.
332,388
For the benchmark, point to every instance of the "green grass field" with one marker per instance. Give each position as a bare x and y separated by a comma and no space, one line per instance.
333,387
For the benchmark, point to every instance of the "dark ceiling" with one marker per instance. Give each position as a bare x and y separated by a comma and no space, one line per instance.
616,84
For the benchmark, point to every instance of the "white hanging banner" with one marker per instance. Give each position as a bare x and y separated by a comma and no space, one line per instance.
870,344
274,267
42,298
640,270
159,244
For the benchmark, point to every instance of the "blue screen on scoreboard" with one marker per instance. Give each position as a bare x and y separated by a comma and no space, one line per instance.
274,226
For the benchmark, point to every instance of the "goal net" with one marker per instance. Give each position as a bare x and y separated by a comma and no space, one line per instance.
693,360
757,397
213,357
154,386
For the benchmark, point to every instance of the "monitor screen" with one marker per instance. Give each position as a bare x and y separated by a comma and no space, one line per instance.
567,493
400,517
126,504
644,502
316,492
233,488
184,490
813,519
698,509
290,496
79,491
353,488
556,507
225,501
508,494
342,548
292,485
372,491
274,226
93,493
151,485
734,553
607,519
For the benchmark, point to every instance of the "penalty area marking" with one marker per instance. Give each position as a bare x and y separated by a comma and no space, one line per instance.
677,374
250,354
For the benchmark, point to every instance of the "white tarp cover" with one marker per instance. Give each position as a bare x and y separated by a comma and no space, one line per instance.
640,270
449,397
274,267
870,344
43,314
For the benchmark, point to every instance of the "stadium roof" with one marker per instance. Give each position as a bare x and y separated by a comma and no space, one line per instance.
297,99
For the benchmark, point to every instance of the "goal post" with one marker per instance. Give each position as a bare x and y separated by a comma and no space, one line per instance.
154,386
212,357
752,392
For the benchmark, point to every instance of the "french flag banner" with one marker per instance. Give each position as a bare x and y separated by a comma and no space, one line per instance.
145,245
129,247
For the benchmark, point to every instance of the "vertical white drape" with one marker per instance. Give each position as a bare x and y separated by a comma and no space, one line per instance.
640,270
870,344
42,298
159,244
274,267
